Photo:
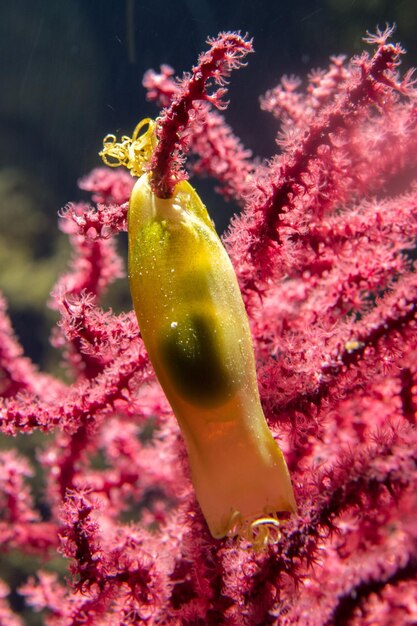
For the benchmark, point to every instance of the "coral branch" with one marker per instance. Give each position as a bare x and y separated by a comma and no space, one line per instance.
226,53
219,153
294,178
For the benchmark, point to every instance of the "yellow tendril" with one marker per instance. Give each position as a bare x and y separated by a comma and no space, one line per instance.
264,532
259,533
134,152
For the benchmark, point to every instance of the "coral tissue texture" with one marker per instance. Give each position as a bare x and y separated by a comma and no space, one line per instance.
323,251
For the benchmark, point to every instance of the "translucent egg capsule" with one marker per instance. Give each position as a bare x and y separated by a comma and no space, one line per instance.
194,326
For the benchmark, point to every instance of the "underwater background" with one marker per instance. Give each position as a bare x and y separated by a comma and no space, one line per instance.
71,71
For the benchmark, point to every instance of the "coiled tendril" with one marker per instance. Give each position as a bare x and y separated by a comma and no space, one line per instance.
134,152
259,533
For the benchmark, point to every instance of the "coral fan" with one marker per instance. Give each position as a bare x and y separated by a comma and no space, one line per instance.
323,252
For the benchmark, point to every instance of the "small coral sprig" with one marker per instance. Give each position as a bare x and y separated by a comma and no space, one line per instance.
219,153
226,53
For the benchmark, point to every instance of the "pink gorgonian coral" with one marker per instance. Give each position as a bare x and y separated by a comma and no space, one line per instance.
323,252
